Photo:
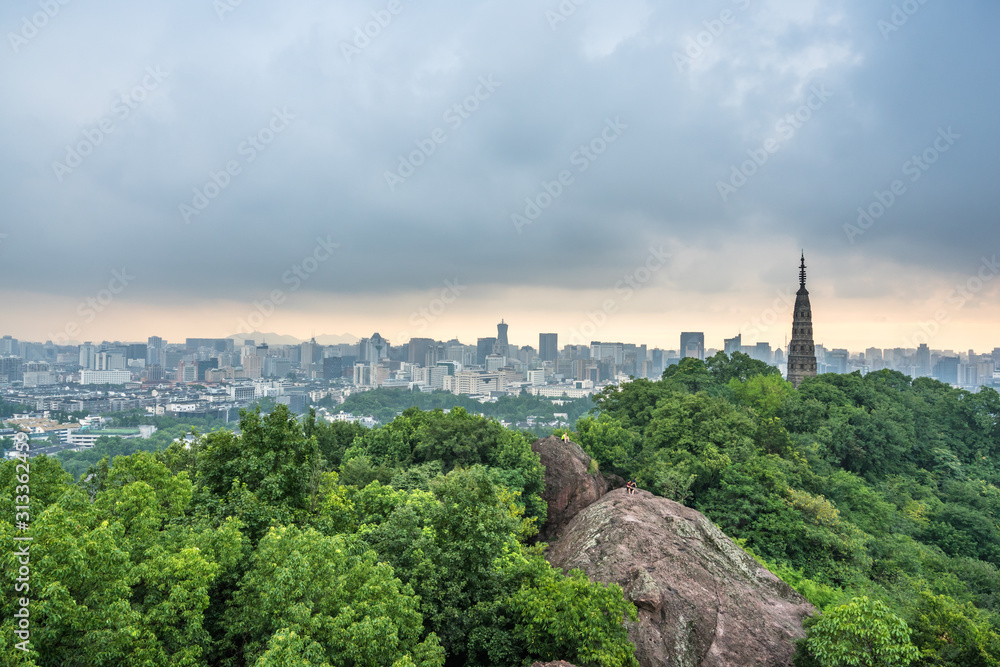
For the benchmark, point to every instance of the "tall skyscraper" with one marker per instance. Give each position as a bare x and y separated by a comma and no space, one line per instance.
731,345
311,353
923,360
9,346
371,349
417,350
548,346
88,356
802,350
762,352
501,347
484,348
693,344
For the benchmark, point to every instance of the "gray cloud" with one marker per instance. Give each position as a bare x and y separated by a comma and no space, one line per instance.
325,173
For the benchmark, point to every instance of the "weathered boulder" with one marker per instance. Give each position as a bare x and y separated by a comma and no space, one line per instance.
569,486
702,601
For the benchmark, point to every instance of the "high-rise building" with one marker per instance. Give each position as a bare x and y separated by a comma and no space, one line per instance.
417,353
110,360
501,347
9,347
310,353
837,360
203,366
136,351
372,349
11,369
88,356
731,345
484,348
923,360
548,346
802,350
333,368
874,358
154,351
693,344
762,352
946,370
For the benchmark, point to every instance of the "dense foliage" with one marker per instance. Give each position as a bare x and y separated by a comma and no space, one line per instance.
877,488
301,542
297,542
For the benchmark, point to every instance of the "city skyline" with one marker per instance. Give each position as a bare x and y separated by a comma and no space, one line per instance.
609,319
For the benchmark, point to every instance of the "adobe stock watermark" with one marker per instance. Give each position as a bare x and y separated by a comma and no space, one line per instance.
120,110
31,25
625,289
294,277
248,150
92,306
784,131
698,45
426,315
22,555
581,158
455,116
364,34
899,17
915,167
771,315
562,13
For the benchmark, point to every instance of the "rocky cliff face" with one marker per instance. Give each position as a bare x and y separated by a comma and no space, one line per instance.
702,601
569,487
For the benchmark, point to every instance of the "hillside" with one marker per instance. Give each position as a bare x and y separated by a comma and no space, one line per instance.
301,542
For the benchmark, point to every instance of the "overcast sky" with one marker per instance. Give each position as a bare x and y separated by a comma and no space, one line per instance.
328,167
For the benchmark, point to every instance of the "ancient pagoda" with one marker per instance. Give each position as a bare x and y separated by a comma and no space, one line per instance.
802,350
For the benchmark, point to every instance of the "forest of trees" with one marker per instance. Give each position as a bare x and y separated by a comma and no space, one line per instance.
299,542
876,497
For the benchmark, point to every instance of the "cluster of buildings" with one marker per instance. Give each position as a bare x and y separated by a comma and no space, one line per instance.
205,376
48,435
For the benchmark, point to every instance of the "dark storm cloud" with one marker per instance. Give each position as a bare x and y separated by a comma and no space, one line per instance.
688,115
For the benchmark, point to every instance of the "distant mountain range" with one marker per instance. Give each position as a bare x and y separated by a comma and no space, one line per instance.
281,339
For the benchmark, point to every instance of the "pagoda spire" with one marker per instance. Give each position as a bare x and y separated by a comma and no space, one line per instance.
801,349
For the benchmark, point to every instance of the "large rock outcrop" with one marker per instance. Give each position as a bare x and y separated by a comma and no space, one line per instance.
569,486
702,601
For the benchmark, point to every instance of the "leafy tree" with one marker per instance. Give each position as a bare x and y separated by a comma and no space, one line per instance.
329,591
560,617
739,367
951,634
609,442
691,375
862,633
271,456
